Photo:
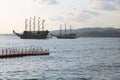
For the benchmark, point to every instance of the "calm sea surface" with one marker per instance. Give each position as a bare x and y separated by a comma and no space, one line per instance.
69,59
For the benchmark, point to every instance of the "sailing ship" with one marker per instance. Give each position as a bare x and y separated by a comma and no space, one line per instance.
33,34
66,35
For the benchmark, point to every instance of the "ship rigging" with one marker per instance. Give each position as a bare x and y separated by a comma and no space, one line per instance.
66,35
33,34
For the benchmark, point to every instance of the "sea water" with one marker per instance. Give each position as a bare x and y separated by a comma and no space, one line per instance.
84,58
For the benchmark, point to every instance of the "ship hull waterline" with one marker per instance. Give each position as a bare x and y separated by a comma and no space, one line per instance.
31,35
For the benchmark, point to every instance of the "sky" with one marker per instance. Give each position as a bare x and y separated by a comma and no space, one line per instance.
77,13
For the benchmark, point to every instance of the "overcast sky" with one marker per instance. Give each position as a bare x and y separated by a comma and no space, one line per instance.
78,13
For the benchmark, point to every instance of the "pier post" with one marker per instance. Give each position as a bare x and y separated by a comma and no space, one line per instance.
10,51
6,51
2,51
18,51
21,52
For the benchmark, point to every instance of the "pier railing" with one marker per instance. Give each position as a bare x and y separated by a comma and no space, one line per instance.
21,52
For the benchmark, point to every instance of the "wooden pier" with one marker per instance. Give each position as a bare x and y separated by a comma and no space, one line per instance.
21,52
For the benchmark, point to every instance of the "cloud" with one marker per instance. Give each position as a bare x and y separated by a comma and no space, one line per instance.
76,15
46,1
91,12
106,4
57,18
82,17
83,14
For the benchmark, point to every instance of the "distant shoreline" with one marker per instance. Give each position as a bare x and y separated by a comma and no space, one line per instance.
85,32
93,32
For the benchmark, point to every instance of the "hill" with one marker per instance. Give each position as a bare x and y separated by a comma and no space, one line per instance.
92,32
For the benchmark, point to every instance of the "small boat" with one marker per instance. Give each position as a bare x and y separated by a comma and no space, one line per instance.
33,34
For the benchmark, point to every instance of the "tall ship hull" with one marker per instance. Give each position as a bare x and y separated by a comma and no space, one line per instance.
32,34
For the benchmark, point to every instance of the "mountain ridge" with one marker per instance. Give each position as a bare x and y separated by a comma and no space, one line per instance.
92,32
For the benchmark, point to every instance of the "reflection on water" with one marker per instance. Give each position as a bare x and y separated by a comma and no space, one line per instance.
74,59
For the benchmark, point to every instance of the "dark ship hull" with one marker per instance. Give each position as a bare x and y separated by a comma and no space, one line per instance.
32,34
67,36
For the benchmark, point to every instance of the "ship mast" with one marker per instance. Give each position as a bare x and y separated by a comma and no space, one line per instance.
39,24
70,30
43,25
65,29
30,23
26,25
34,24
60,29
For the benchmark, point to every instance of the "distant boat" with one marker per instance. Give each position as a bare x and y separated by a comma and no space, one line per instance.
66,35
33,34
